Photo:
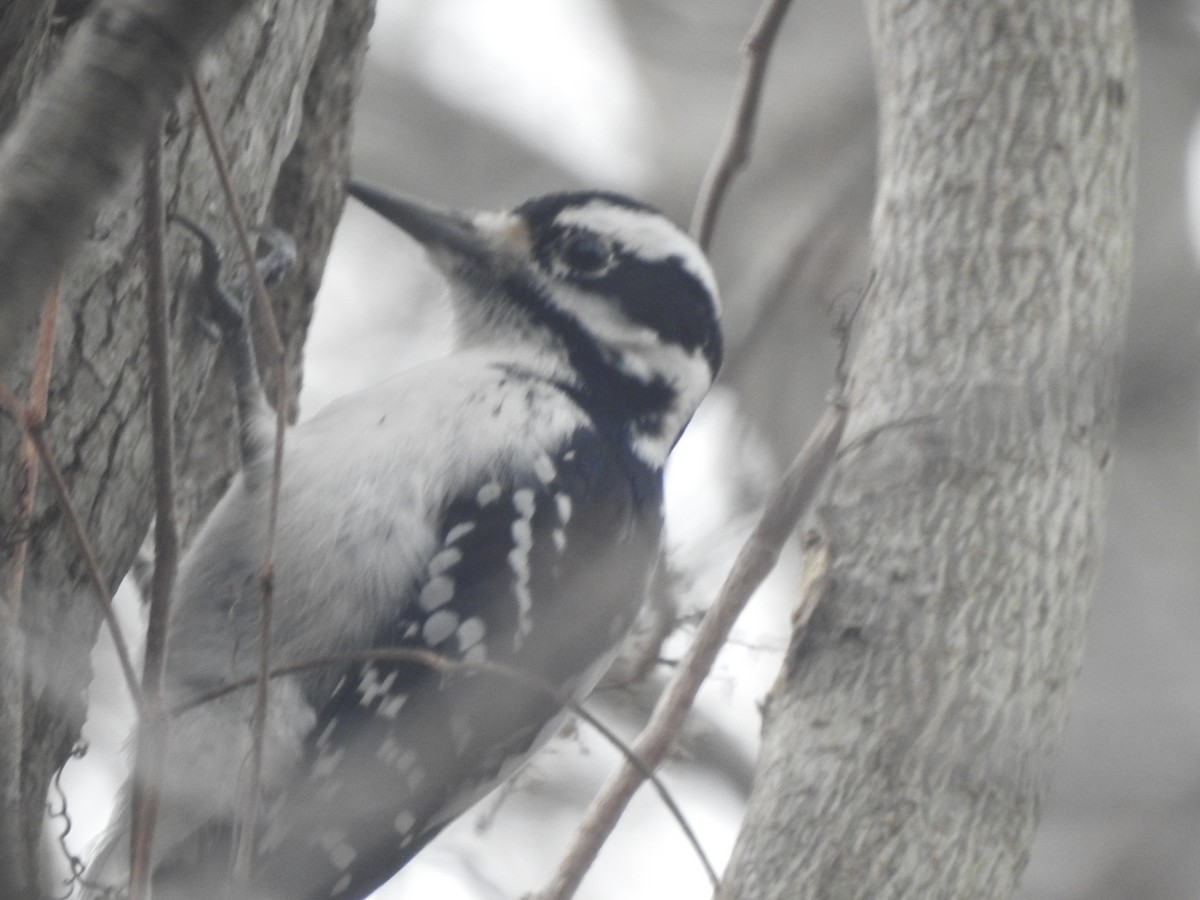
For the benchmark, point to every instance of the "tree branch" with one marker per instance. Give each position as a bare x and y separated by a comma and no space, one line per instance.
74,142
906,742
735,146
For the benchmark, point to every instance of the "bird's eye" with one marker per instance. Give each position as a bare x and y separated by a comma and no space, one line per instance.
584,253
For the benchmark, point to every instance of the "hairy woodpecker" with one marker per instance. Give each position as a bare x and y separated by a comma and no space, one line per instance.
501,505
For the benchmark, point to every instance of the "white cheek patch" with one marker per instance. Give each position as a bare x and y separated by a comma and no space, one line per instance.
641,353
613,329
644,233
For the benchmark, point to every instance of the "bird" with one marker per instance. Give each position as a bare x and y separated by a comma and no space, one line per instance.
501,507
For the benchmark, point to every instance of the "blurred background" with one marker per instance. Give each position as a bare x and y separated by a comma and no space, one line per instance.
478,104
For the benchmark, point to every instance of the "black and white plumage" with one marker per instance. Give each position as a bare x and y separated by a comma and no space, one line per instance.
503,504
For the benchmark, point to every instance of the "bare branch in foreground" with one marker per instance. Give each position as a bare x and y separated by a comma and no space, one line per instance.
13,869
735,146
39,393
267,576
151,736
35,429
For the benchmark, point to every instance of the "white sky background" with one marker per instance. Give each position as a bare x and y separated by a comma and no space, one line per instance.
593,118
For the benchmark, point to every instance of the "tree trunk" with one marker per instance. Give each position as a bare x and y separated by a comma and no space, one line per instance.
279,82
907,739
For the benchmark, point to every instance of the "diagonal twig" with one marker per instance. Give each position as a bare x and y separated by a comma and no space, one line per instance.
14,874
754,562
735,146
39,392
35,428
267,575
152,736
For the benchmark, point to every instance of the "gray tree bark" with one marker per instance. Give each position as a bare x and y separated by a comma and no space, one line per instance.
280,80
908,737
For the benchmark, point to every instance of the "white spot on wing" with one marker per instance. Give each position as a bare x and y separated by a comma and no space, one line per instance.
462,529
447,559
390,706
341,884
470,633
370,687
438,592
476,655
392,754
404,822
330,839
439,626
341,856
389,752
523,501
562,503
518,559
543,468
489,493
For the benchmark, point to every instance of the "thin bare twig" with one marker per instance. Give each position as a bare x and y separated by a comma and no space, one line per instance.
735,146
13,870
816,250
152,737
754,562
221,161
27,471
35,428
446,665
267,575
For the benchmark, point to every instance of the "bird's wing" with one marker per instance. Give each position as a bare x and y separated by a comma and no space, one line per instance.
541,572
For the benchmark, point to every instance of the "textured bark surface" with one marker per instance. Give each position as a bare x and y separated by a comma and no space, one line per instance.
907,739
279,83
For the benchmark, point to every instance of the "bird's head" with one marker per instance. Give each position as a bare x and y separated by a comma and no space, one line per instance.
597,290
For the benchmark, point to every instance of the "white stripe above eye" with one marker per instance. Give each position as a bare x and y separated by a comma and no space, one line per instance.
647,234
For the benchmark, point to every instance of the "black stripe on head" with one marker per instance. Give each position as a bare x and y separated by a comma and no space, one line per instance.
661,294
614,399
665,296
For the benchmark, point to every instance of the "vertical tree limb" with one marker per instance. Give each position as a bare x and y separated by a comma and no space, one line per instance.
907,740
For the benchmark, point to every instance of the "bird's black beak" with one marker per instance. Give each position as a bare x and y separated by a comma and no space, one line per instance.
435,229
